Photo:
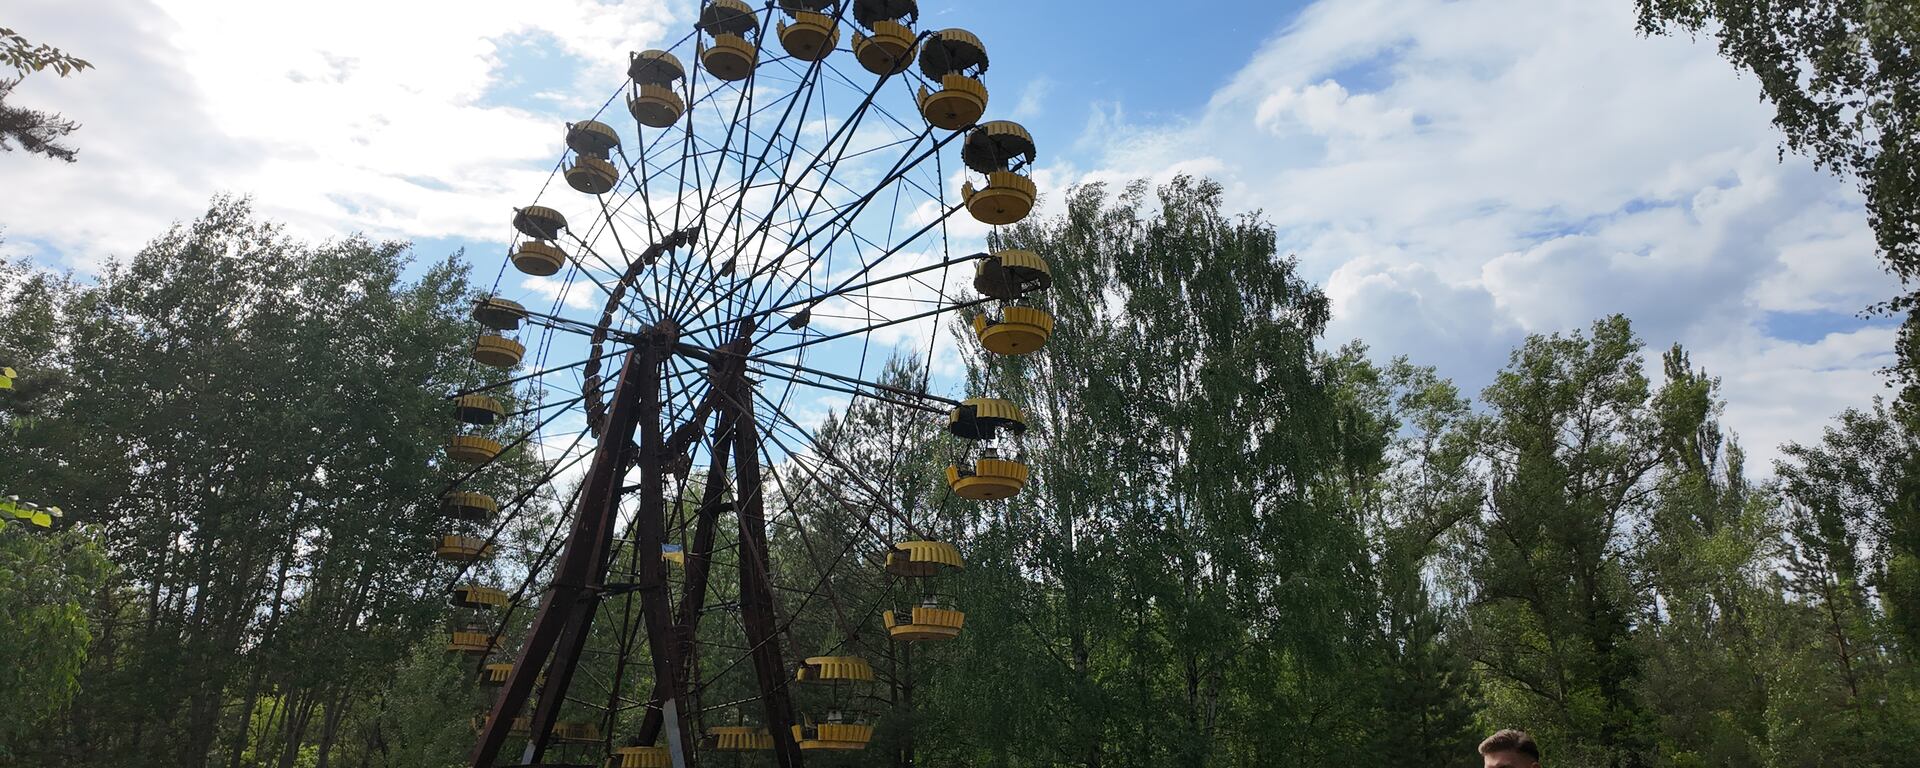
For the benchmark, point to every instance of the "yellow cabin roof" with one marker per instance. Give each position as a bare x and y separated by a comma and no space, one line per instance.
641,757
478,409
592,137
498,313
870,12
539,222
738,738
477,596
978,418
655,67
951,50
730,16
994,145
834,669
922,558
1009,274
465,504
994,408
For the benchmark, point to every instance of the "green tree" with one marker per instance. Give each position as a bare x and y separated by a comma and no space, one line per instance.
1847,522
1853,495
258,436
423,718
47,577
1569,442
1411,475
1193,586
1704,551
46,580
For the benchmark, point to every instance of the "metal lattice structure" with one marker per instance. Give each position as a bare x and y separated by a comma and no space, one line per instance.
754,228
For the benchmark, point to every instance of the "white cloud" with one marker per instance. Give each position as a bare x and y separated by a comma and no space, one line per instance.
1780,391
1412,311
1327,109
572,294
336,117
1461,173
1033,99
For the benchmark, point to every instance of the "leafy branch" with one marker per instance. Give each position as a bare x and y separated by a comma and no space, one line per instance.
26,57
12,508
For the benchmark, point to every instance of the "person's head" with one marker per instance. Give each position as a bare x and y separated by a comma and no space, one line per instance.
1510,749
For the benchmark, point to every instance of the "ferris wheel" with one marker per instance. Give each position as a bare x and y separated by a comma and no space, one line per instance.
750,227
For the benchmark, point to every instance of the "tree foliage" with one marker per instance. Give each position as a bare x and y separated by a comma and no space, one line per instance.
252,422
1568,442
1238,548
46,581
1196,590
35,131
1842,76
25,56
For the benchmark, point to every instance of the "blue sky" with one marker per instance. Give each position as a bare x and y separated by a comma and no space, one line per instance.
1456,173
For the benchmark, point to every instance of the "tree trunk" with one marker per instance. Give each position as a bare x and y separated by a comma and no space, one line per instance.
330,728
295,731
243,725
